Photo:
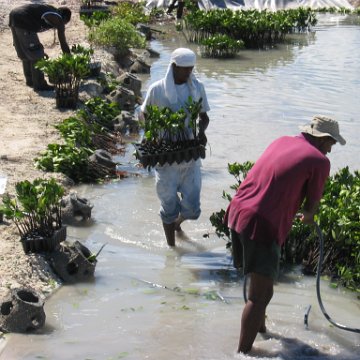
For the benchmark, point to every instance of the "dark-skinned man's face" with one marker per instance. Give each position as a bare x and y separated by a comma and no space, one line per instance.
182,74
326,144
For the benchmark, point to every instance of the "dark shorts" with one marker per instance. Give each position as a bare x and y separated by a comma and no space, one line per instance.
257,257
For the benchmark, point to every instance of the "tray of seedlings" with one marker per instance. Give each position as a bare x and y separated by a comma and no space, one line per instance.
170,137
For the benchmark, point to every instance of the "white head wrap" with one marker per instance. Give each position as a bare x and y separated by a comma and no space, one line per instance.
181,57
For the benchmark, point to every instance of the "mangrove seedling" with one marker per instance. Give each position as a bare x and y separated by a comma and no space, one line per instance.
66,73
36,207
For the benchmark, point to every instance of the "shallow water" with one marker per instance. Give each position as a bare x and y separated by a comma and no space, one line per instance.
151,302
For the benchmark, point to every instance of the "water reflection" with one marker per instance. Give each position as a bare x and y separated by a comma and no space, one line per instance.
336,20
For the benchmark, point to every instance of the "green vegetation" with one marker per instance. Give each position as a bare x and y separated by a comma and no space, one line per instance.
164,125
168,138
239,171
95,19
156,13
255,28
108,82
131,12
116,29
220,46
81,50
67,159
101,112
66,71
118,33
83,134
338,218
36,208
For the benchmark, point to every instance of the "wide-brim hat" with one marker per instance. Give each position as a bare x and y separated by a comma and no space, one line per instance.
322,126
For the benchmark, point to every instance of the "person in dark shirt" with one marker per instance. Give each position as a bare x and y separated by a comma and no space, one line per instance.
25,22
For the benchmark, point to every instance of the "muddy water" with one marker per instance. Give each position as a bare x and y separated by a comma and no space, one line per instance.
151,302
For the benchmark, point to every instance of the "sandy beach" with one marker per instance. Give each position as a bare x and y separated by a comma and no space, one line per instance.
26,128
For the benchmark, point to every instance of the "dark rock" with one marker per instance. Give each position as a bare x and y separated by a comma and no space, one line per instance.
22,311
103,158
73,262
75,208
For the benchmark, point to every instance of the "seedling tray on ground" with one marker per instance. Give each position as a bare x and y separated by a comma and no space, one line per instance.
150,155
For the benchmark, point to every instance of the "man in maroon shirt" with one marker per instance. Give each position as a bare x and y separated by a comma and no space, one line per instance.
290,173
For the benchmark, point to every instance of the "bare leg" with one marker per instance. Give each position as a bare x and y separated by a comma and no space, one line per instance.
237,250
253,316
169,230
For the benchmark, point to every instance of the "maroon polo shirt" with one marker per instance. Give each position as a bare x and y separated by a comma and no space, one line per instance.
290,170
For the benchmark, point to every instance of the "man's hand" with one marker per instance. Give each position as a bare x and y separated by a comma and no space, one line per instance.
306,217
203,124
202,138
309,211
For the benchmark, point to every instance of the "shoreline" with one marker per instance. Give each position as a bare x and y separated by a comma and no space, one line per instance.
27,127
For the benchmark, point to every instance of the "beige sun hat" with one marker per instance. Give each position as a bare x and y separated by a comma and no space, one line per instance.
321,126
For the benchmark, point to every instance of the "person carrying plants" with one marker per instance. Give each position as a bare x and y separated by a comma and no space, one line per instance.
290,175
25,22
173,91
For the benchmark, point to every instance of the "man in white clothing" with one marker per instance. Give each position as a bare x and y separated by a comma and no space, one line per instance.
173,91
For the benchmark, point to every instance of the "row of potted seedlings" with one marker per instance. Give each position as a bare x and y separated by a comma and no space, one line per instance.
150,155
37,207
36,210
89,130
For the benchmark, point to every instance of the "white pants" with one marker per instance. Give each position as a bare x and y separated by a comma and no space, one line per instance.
178,187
